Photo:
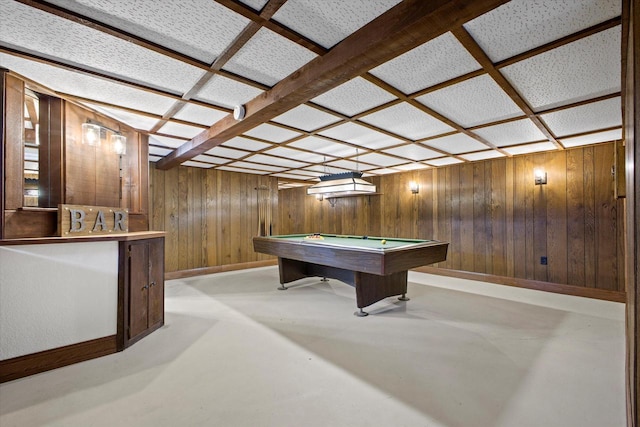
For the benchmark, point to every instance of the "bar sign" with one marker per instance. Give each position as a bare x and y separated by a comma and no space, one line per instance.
80,220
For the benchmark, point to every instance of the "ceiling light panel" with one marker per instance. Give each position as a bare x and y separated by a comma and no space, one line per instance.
383,171
268,58
380,159
33,30
154,158
327,22
246,144
511,133
256,5
198,114
414,152
186,27
306,118
522,25
291,176
136,121
456,143
406,120
466,103
272,133
177,129
227,152
353,97
240,170
483,155
227,93
577,71
585,118
159,151
325,170
193,164
444,161
350,165
276,161
166,141
411,166
248,165
85,86
304,156
594,138
530,148
211,159
307,173
361,135
324,146
436,61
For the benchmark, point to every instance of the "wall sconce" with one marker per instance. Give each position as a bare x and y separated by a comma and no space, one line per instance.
91,134
332,201
414,187
119,144
540,176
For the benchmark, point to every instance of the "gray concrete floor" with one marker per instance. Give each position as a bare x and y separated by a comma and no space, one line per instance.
237,352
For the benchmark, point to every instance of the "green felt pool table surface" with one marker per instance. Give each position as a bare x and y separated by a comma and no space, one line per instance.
353,241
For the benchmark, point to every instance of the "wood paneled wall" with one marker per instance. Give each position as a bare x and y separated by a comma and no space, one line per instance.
497,220
210,216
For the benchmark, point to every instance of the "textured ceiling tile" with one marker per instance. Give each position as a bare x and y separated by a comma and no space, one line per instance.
211,159
327,22
201,29
381,159
362,136
444,161
383,171
324,146
84,86
159,151
256,5
594,116
136,121
177,129
482,155
303,156
412,166
511,133
351,165
195,164
33,30
227,152
406,120
457,143
413,152
466,103
276,161
306,118
530,148
307,173
290,176
246,144
581,70
263,167
325,170
272,133
165,141
268,58
594,138
198,114
522,25
240,170
436,61
227,93
353,97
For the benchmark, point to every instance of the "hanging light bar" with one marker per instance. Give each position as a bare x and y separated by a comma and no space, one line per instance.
342,184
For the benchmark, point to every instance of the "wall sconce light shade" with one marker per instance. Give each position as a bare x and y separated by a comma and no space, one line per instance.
91,134
119,144
319,197
414,187
540,176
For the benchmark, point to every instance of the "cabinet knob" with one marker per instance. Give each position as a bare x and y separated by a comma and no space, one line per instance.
145,287
152,284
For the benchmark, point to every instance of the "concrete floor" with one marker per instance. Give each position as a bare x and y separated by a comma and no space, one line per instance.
237,352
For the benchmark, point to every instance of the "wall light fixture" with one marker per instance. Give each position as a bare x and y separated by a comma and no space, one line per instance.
540,176
414,187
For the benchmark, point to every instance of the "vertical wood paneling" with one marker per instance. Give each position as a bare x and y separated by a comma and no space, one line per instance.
575,218
557,255
477,223
589,183
509,213
13,143
498,220
519,220
540,197
466,215
606,216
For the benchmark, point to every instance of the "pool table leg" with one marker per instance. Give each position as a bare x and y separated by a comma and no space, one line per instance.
360,313
404,297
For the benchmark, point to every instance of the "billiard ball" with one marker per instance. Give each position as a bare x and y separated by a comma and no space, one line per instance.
384,242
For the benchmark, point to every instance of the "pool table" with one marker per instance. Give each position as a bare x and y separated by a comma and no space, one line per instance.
376,266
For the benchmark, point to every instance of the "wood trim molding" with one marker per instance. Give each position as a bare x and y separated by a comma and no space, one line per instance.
181,274
529,284
30,364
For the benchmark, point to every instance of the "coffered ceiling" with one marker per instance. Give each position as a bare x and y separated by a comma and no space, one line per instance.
381,86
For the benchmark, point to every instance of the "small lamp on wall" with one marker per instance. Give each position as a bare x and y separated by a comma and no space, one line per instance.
540,176
91,134
414,187
119,144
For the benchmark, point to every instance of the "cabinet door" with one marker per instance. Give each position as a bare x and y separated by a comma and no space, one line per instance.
138,288
156,282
